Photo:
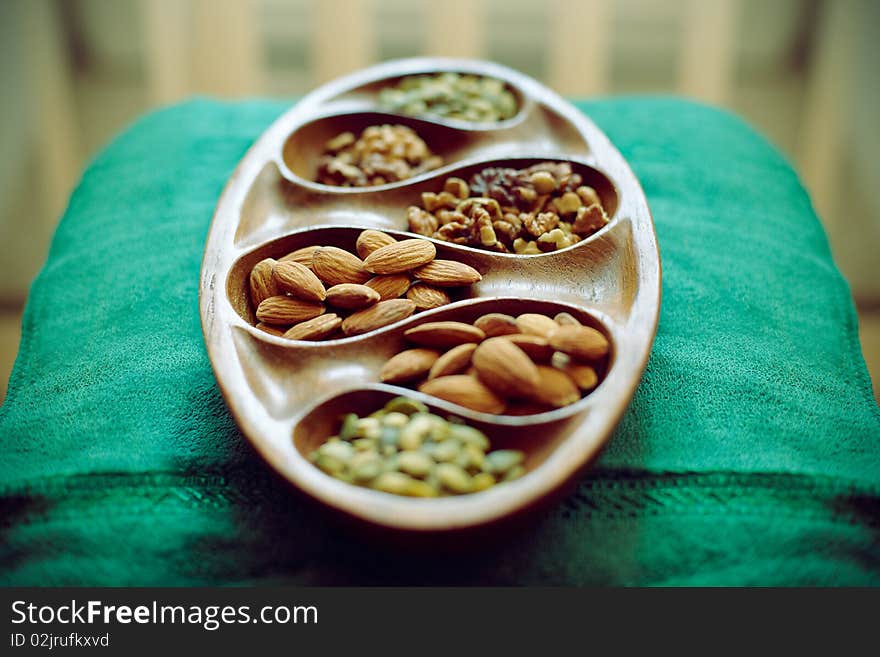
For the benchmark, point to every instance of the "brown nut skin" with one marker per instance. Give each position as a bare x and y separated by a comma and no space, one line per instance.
319,328
444,334
400,256
285,311
447,273
408,365
371,240
374,317
495,324
334,266
298,280
505,368
427,296
465,391
351,296
454,361
390,286
580,342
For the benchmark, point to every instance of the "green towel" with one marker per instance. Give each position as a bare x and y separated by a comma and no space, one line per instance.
750,454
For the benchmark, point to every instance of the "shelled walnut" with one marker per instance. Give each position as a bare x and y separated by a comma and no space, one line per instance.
541,208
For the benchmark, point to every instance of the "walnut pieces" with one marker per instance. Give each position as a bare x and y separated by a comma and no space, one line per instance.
382,154
541,208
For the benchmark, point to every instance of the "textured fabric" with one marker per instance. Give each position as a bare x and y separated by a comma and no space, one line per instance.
749,455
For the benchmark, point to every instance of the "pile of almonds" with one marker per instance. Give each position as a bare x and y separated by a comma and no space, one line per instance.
315,292
542,208
381,154
502,364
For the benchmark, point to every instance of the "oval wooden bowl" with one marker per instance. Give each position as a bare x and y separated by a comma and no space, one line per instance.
287,395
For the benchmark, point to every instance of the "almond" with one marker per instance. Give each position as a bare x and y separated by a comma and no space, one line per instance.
535,324
303,256
391,286
465,391
334,266
371,240
426,296
580,342
447,273
262,282
505,368
566,319
408,365
454,361
271,330
584,376
444,334
382,314
287,311
555,388
536,348
351,296
495,324
315,329
298,280
400,256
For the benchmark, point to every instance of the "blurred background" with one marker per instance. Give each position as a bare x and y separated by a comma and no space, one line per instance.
76,72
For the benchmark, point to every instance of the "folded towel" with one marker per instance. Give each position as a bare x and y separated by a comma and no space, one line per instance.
749,455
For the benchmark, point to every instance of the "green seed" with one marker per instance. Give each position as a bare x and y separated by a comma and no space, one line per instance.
502,460
332,466
392,482
395,419
417,488
364,444
417,464
389,436
406,406
482,481
349,427
365,466
469,436
340,451
448,450
369,427
515,472
415,432
454,478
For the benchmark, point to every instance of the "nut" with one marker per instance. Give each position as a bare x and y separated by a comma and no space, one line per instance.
297,279
505,368
390,286
400,256
318,328
371,240
272,330
408,365
262,282
536,347
374,317
447,273
495,324
350,296
454,361
465,391
334,266
303,256
444,334
580,342
555,388
426,296
535,324
285,311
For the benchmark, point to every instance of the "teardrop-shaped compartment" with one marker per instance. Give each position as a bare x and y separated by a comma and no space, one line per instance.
403,205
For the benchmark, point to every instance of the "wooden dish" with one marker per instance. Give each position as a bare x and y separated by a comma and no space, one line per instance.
287,395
